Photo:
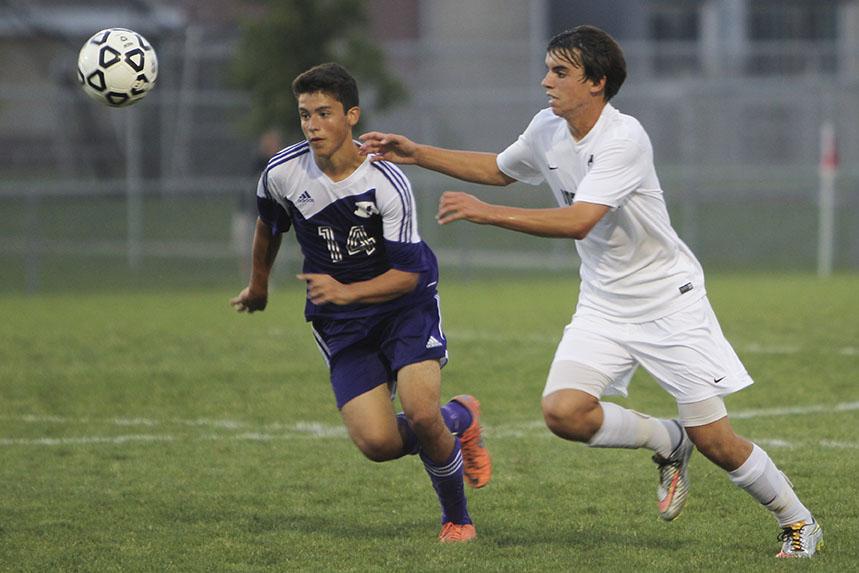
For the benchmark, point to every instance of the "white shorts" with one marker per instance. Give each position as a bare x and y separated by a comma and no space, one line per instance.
685,351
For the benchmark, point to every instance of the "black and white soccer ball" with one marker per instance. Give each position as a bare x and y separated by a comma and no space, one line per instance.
117,67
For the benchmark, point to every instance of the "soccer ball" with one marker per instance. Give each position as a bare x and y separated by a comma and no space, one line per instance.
117,67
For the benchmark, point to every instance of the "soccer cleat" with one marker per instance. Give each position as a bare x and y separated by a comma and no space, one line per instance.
455,533
800,539
673,478
477,466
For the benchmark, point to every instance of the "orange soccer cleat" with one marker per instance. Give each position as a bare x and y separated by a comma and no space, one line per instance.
477,466
455,533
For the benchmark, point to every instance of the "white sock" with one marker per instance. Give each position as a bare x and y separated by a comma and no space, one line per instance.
766,483
623,428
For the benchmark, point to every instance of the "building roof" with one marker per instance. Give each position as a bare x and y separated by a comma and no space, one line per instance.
57,18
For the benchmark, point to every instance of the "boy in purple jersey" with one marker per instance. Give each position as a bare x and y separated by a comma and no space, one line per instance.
372,296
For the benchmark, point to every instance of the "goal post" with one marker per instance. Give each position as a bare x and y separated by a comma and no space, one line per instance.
826,199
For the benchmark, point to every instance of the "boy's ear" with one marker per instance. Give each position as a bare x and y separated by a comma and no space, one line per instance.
597,87
353,115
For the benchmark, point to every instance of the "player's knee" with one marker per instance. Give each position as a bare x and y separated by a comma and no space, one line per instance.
425,422
719,443
708,427
569,403
568,414
377,447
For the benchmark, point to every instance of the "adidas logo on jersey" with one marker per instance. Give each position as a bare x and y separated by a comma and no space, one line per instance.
433,342
304,198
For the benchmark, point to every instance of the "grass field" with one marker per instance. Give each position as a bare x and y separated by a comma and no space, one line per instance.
160,431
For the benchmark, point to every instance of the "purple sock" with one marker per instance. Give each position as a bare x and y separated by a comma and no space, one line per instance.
411,446
457,417
448,485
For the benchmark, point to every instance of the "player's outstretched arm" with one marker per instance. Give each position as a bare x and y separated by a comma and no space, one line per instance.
473,166
265,247
389,147
573,222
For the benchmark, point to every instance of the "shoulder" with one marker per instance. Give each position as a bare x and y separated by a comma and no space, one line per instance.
389,173
624,130
286,158
545,121
285,166
542,132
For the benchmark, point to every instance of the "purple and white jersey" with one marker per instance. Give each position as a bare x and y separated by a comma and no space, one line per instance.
354,229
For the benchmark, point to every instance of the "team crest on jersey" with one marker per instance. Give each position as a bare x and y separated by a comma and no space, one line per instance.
568,196
366,209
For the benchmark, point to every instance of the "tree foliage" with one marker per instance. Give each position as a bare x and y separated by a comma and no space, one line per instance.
291,36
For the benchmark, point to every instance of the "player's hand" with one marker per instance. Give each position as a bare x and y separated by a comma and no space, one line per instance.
325,288
388,146
249,301
455,205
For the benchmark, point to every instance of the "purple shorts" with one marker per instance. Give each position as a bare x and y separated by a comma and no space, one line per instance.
363,353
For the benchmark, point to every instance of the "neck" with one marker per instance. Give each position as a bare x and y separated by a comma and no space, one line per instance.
580,124
340,164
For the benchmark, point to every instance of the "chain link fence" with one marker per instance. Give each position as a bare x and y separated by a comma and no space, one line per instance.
91,195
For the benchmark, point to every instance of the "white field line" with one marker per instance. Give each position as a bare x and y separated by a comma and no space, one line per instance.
466,335
261,437
305,429
790,411
84,440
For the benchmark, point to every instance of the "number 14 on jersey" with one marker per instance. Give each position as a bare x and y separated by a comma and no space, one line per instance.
357,241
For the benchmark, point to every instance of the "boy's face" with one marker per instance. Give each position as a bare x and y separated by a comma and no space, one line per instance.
326,125
567,88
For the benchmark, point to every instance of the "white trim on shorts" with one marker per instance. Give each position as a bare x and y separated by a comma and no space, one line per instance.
320,344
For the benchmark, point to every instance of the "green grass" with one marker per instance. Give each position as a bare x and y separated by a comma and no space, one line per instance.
160,431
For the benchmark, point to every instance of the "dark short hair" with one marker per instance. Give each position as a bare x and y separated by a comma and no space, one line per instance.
332,79
596,52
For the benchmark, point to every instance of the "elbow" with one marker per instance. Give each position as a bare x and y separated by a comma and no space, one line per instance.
492,175
502,179
408,283
412,283
578,232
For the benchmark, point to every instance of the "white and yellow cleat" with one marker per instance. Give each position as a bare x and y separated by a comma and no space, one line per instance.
674,478
801,539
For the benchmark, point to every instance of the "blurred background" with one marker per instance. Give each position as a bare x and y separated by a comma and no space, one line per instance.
742,99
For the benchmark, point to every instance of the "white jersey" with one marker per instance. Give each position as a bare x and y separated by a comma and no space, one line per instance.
634,266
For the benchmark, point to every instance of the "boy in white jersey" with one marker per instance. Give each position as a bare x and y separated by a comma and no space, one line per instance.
372,294
642,299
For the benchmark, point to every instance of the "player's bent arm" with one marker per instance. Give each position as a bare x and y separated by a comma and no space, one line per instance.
387,286
265,248
573,222
264,252
473,166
